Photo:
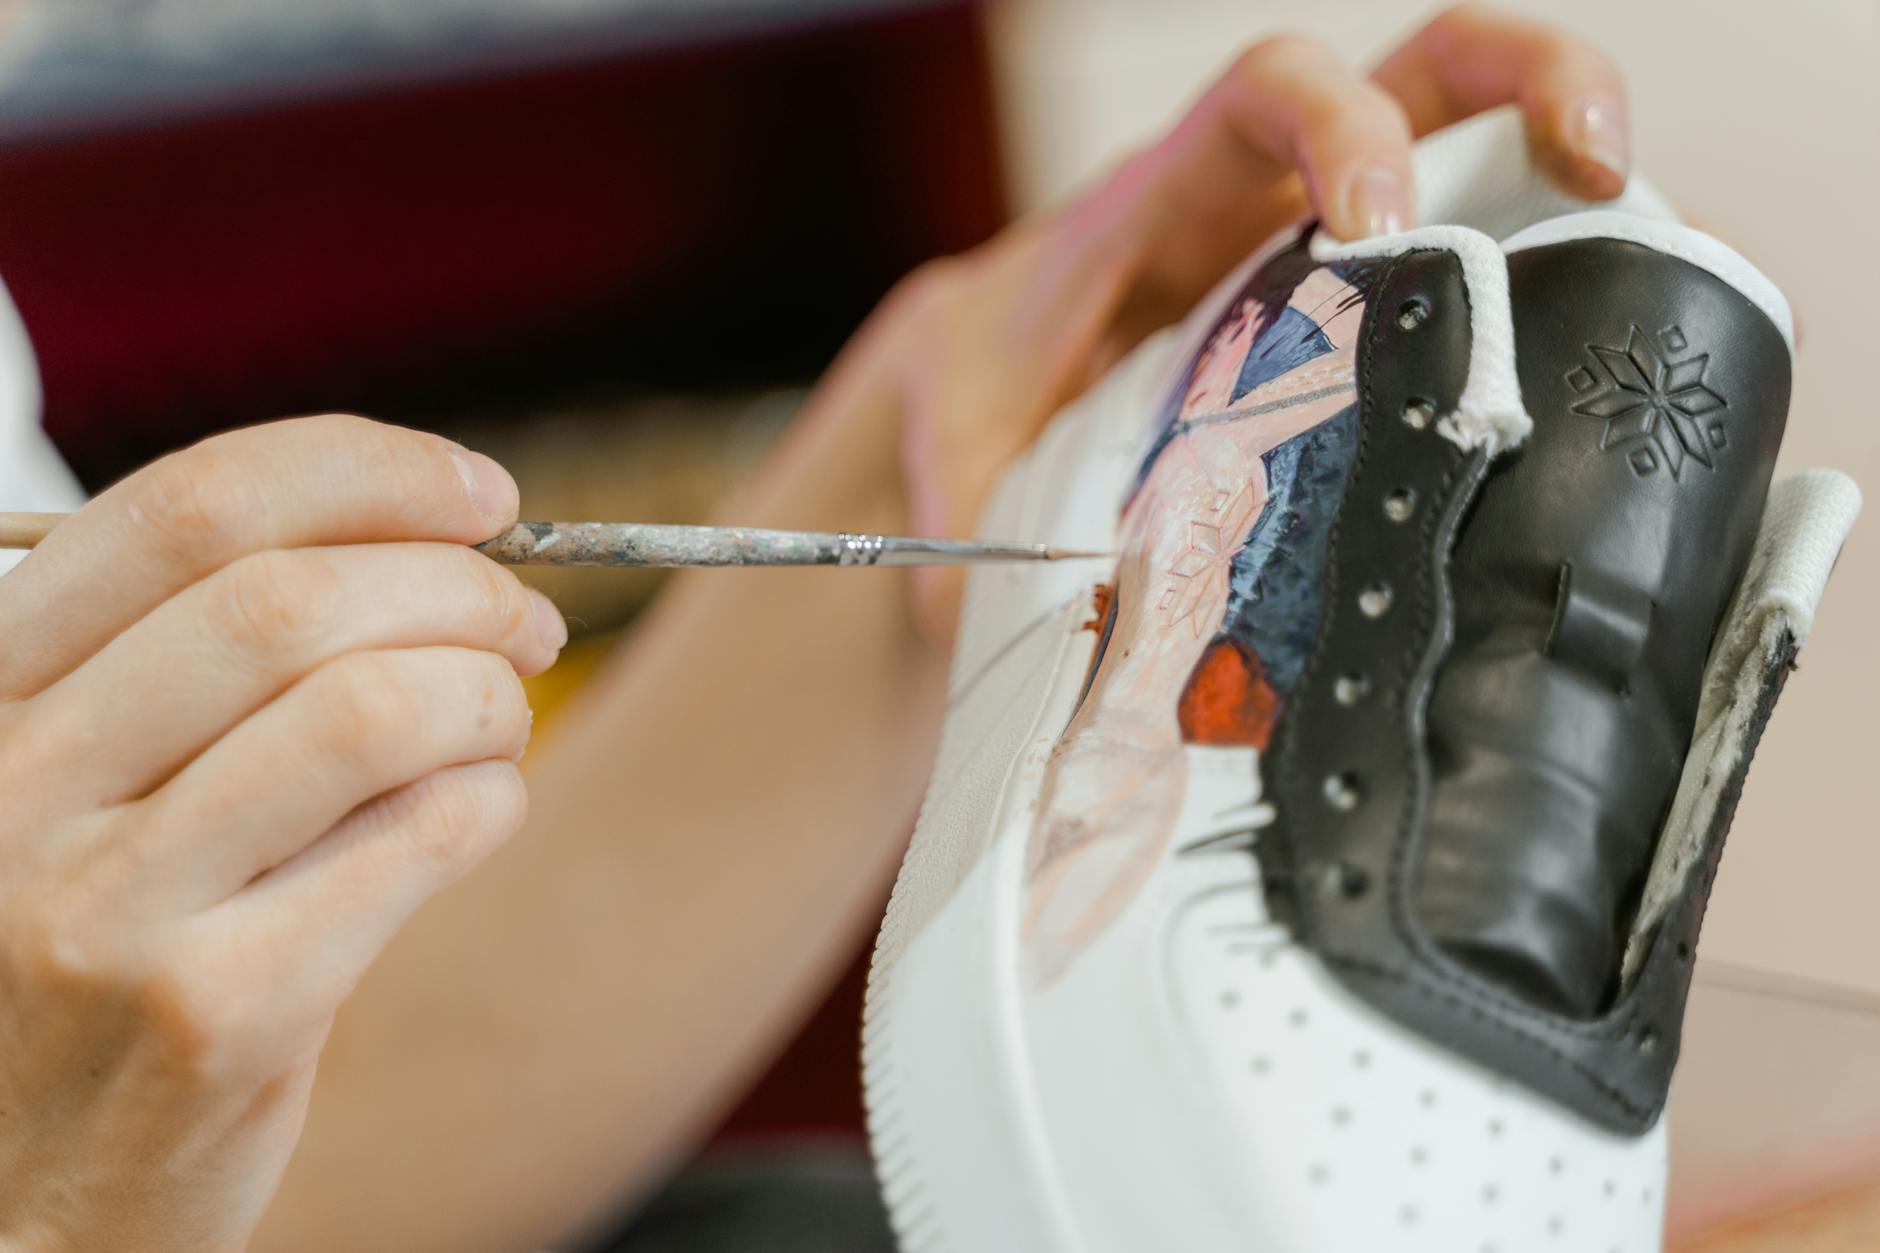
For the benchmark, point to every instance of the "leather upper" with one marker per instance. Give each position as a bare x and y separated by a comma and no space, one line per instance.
1588,579
1474,767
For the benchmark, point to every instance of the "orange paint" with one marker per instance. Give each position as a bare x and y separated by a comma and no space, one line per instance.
1228,699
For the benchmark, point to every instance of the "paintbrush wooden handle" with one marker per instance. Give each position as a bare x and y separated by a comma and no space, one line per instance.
24,530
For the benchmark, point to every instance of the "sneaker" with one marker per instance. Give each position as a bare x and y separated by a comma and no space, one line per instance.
1325,874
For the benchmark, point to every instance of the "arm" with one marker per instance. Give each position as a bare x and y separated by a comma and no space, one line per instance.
715,824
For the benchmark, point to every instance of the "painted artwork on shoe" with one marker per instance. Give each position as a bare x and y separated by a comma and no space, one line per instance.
1214,603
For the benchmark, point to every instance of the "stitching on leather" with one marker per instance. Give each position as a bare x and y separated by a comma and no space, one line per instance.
1692,906
1287,757
1421,965
1614,1026
1408,933
1480,1001
1410,978
1425,628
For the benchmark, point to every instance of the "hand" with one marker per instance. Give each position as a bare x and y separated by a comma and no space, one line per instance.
257,703
971,355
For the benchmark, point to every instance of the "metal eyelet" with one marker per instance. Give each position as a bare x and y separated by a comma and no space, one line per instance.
1343,791
1413,313
1349,689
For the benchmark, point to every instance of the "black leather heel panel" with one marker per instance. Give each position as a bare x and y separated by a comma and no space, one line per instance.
1355,772
1587,583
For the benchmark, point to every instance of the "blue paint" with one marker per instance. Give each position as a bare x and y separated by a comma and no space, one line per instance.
1289,342
1275,597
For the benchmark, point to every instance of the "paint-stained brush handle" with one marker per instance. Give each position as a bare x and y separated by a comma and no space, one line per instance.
646,544
25,530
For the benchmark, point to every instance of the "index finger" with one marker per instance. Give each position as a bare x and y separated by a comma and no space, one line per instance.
303,482
1288,127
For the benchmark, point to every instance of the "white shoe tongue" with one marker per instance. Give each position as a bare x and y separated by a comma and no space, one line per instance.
1480,174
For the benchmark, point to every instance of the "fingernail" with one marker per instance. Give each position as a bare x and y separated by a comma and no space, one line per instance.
1376,203
1596,131
550,627
491,489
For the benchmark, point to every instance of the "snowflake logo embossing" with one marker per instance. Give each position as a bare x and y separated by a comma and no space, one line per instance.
1656,408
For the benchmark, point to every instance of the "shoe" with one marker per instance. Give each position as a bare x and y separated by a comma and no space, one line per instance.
1326,874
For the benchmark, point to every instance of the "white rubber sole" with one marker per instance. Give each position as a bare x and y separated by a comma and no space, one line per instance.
961,1154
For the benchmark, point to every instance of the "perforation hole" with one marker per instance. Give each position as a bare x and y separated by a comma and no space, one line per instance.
1400,504
1374,601
1412,313
1418,413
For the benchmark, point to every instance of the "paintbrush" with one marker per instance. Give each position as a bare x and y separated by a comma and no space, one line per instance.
645,544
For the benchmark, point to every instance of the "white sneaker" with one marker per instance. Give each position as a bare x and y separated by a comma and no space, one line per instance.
1323,876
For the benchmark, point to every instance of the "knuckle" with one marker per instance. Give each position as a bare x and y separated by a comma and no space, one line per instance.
198,500
1321,114
410,472
42,952
189,1020
1333,123
277,600
1380,110
365,697
50,937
